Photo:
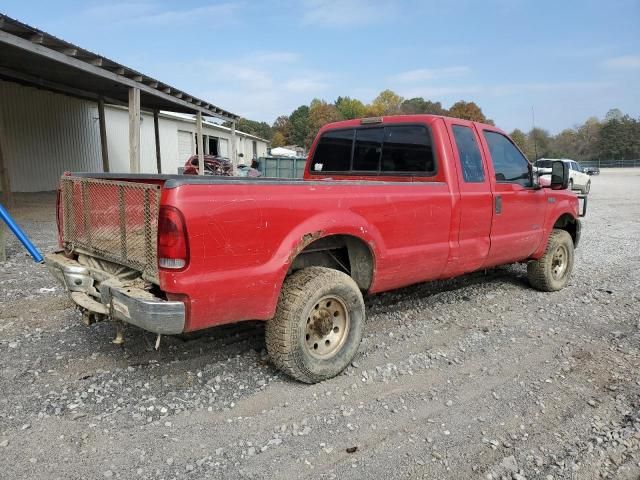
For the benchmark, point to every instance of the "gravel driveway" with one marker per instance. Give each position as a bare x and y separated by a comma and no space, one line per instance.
478,377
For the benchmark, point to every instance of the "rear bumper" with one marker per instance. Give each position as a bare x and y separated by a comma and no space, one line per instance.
100,292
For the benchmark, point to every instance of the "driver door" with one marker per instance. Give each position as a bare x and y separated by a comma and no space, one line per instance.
519,207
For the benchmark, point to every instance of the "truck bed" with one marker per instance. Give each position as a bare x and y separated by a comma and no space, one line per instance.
244,233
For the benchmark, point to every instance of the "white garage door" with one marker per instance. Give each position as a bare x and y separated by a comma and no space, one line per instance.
185,146
223,147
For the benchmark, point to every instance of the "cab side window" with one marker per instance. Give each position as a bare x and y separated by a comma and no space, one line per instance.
509,164
469,153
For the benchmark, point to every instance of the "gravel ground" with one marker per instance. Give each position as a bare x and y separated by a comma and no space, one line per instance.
477,377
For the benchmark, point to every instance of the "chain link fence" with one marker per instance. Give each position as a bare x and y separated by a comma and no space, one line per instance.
611,163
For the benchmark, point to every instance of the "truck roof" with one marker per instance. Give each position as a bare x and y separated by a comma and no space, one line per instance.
386,119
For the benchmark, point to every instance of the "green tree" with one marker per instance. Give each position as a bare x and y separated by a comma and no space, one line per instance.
522,141
420,105
350,108
299,125
613,114
620,139
540,141
259,129
386,103
468,111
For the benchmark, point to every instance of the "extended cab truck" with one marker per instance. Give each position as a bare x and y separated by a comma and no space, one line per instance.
384,203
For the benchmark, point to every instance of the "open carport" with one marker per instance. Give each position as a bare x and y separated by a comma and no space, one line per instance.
52,109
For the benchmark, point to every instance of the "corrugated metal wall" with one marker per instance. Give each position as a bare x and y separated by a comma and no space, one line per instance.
117,120
45,134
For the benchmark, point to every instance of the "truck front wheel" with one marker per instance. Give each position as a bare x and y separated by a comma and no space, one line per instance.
552,271
318,324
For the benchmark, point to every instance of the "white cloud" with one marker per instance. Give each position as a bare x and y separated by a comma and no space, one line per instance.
259,86
500,90
626,62
152,14
343,13
275,57
424,74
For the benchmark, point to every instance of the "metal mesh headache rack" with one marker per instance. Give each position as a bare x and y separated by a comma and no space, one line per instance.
112,220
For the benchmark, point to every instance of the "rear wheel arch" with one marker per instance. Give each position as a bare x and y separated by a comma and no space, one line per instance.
343,252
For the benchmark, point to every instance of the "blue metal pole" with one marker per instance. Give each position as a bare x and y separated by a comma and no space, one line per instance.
17,231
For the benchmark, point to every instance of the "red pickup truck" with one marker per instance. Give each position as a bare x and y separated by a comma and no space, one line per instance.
384,203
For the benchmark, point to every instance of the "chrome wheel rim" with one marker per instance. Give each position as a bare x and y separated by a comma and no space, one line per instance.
327,327
559,262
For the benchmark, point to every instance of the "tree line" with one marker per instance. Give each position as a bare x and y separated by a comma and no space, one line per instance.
617,136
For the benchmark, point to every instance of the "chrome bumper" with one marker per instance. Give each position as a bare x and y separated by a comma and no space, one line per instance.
129,304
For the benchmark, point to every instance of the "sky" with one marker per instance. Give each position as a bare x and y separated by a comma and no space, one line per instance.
566,60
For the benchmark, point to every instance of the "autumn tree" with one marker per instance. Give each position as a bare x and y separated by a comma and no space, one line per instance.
278,139
386,103
320,113
588,137
350,108
281,125
468,111
565,144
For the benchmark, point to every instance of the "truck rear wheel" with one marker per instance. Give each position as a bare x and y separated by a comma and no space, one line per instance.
318,324
552,271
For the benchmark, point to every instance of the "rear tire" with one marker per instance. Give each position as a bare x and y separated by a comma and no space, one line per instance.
318,324
552,271
587,187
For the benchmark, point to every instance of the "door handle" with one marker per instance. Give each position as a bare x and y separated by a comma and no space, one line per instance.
498,203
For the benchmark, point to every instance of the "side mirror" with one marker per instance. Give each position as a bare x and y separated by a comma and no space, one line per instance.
559,175
532,177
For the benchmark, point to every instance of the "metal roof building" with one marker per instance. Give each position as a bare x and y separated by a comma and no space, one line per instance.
54,99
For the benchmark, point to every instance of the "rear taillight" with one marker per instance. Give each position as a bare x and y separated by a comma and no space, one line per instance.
173,246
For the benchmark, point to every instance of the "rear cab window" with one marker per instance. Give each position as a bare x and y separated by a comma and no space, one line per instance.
469,153
389,150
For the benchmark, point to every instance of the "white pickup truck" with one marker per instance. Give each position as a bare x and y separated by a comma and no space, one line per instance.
578,179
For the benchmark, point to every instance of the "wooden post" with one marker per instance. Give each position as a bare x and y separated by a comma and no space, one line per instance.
234,159
7,197
5,181
156,129
3,245
134,130
103,136
200,143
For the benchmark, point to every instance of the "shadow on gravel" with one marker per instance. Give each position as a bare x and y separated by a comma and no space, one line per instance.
507,274
217,343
